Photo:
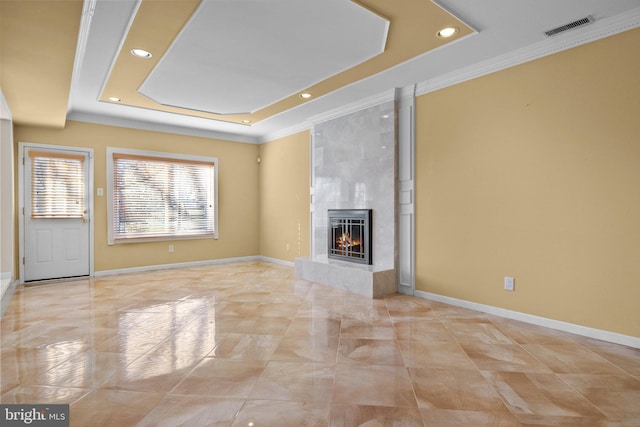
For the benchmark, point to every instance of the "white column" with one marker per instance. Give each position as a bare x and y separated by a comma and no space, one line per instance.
405,98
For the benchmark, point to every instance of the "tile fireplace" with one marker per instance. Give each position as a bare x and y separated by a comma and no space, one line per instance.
354,203
349,235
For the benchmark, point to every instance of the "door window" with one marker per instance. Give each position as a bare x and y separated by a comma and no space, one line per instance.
57,190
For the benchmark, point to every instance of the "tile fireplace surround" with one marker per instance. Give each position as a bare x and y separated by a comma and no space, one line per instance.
353,166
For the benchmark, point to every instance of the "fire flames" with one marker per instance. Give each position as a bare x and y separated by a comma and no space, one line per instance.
344,242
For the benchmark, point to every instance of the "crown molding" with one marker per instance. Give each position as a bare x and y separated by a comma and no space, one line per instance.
406,92
371,101
157,127
598,30
301,127
88,9
380,98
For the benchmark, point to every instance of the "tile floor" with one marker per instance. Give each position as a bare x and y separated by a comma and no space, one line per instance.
246,344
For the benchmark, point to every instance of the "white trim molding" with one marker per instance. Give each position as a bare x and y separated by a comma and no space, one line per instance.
362,104
405,103
549,46
276,261
301,127
6,280
535,320
191,264
175,265
88,9
104,120
9,287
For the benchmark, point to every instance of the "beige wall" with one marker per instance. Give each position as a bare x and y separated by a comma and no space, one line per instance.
238,192
534,172
284,197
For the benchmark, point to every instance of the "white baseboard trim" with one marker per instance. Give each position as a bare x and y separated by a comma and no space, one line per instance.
6,279
176,265
276,261
9,287
536,320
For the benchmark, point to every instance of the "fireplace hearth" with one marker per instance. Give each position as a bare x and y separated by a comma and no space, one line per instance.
350,235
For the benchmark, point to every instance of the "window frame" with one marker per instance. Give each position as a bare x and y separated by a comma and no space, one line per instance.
111,151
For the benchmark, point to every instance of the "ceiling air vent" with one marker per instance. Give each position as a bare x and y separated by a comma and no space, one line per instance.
575,24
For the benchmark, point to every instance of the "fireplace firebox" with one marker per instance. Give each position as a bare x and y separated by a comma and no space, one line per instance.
350,235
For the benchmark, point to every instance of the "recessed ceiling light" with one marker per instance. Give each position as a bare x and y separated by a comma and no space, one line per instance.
246,121
114,99
141,53
305,95
447,32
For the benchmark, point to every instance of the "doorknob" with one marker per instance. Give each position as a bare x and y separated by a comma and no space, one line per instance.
85,220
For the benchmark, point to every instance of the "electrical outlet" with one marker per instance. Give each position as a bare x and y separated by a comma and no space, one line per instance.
509,283
170,248
287,247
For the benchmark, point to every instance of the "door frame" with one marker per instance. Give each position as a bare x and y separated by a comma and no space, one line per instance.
22,146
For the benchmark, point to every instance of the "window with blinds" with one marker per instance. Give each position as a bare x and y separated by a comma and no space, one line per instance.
157,195
57,188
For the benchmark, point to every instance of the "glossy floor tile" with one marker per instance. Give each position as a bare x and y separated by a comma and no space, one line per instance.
246,344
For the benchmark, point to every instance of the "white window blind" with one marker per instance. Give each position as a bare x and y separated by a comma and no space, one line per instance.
162,197
57,190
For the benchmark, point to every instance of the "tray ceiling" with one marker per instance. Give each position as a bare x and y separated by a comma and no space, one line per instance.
245,61
237,57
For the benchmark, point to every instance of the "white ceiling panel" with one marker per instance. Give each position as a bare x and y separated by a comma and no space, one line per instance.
238,56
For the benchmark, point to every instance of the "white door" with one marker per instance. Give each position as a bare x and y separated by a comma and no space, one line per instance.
56,218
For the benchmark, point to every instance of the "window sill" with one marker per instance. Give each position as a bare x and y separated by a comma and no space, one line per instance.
162,239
